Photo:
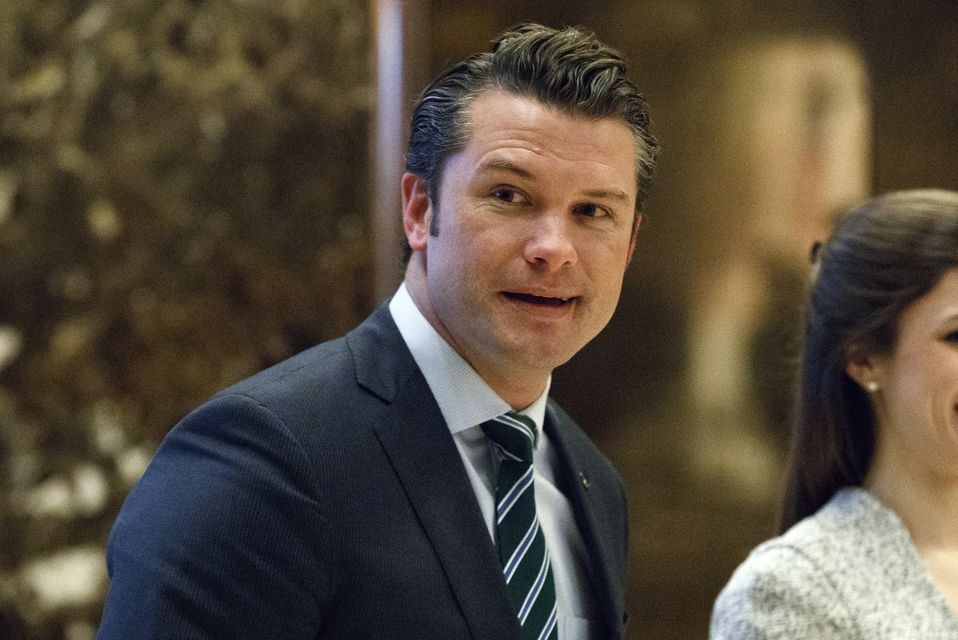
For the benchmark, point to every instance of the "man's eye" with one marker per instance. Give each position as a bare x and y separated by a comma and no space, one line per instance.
590,211
952,337
506,195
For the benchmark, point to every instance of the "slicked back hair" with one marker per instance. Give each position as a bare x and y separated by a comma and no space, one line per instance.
569,69
881,258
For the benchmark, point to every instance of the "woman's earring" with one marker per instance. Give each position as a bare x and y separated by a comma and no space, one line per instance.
871,386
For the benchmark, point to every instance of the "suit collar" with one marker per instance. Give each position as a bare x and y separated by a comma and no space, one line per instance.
380,357
424,457
577,468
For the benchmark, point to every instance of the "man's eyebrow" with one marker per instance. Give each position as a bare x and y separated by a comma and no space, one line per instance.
498,164
608,194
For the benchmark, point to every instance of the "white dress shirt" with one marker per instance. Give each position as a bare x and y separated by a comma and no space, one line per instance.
466,401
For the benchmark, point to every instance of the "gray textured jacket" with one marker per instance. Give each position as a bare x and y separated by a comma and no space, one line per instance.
850,571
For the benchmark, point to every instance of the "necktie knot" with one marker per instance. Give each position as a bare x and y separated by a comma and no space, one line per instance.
514,434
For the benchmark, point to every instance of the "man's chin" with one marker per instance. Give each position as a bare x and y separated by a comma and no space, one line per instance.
545,356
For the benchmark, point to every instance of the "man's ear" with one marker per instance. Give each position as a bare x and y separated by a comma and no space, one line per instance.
635,235
416,211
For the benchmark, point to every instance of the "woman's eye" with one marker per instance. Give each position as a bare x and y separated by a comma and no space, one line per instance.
952,337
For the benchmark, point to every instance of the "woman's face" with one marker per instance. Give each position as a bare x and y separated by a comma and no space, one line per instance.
916,401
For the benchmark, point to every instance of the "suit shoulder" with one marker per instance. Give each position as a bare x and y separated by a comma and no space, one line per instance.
312,367
367,366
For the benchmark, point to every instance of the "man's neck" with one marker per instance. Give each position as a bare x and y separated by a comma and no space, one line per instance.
518,388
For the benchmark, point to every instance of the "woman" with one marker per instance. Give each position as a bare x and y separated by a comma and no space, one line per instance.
870,516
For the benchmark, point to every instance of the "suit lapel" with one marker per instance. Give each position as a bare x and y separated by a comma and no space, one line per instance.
577,474
423,454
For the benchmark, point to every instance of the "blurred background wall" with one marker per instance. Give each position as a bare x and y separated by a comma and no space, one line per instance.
191,190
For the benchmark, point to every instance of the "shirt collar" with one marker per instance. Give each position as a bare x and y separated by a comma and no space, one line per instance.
464,398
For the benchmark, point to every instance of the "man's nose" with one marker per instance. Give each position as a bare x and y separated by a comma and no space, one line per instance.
551,242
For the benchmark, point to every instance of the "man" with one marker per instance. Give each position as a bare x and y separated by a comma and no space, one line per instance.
412,479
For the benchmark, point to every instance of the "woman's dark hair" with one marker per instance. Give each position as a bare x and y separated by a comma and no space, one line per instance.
881,258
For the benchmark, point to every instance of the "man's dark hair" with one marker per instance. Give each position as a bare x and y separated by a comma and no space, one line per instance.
565,68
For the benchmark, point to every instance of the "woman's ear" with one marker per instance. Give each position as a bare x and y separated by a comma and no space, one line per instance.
864,369
416,211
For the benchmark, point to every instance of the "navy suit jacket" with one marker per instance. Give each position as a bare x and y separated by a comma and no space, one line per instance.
325,498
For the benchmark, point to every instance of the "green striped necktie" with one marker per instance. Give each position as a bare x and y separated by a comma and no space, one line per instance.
519,539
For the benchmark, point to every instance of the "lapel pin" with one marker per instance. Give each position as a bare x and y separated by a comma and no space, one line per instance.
586,483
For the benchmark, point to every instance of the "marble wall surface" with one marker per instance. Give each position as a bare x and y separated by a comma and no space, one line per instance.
182,202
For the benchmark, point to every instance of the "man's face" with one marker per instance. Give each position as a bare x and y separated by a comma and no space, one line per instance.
535,229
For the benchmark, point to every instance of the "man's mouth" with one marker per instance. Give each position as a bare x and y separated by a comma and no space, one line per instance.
546,301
